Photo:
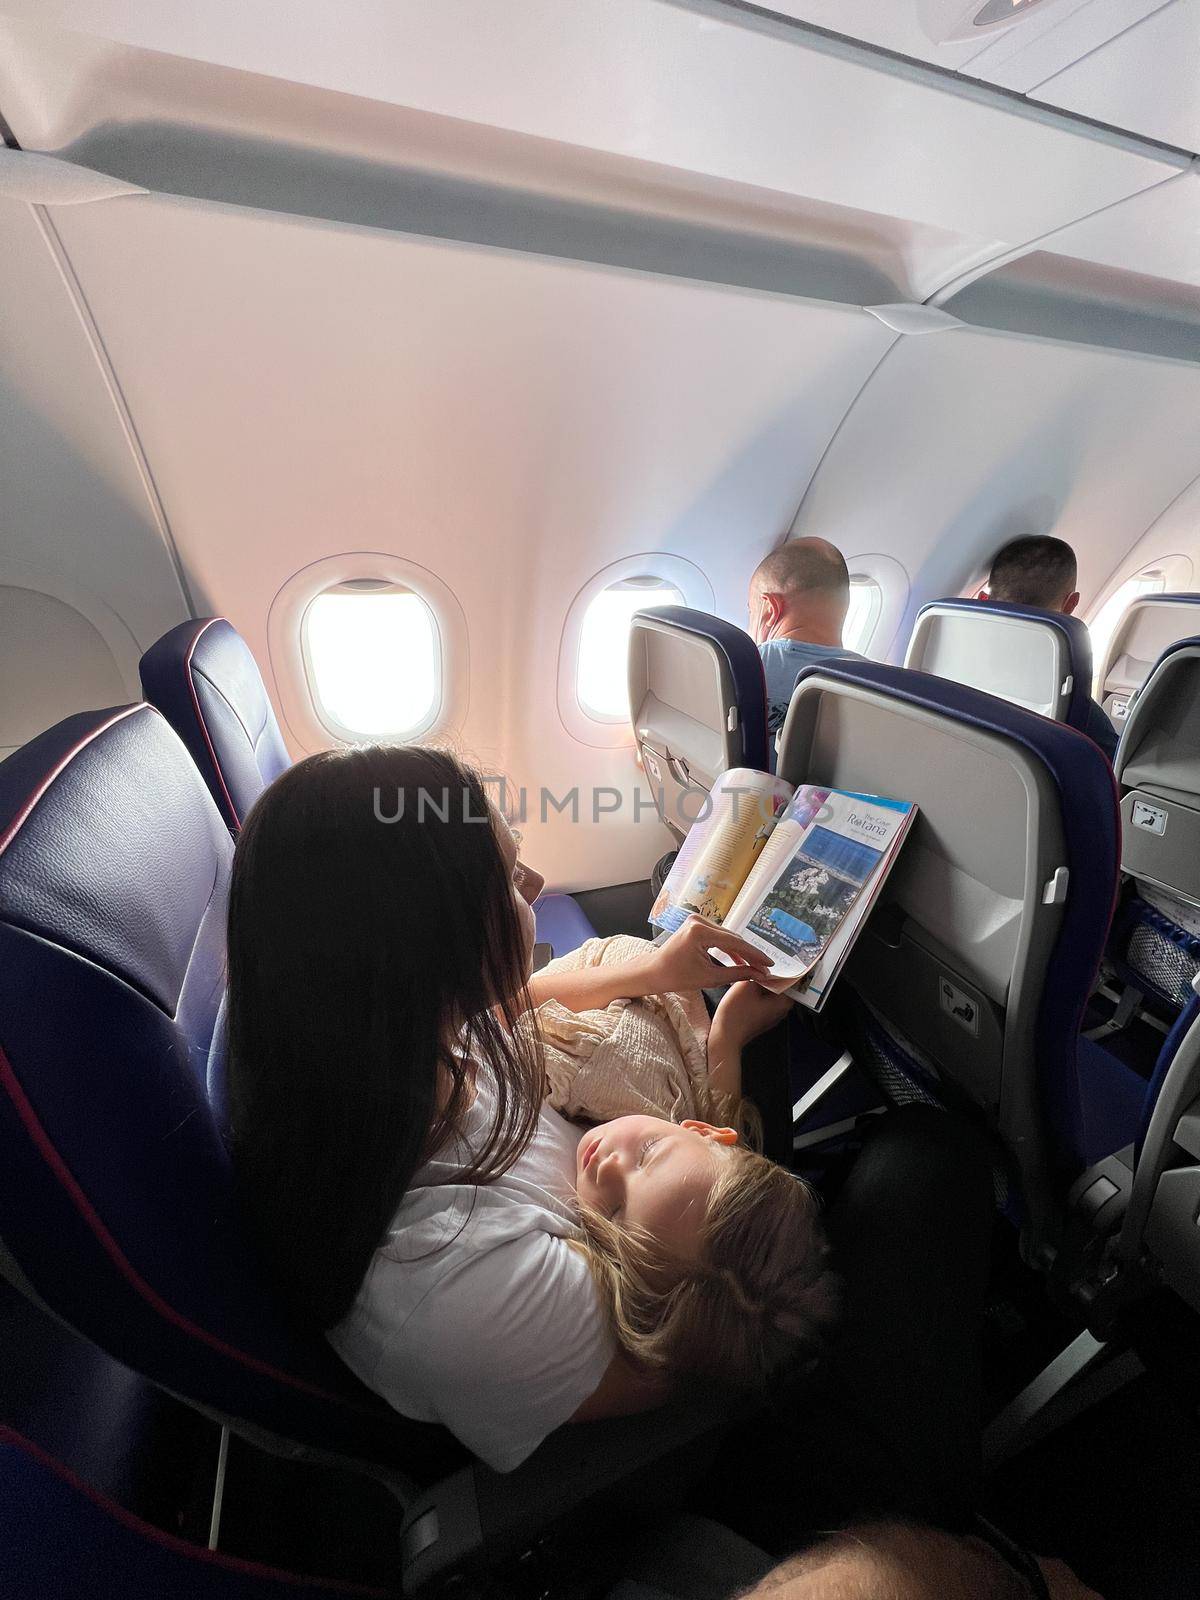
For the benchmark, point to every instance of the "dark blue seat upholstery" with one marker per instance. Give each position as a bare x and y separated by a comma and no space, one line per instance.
562,923
116,1203
204,680
61,1538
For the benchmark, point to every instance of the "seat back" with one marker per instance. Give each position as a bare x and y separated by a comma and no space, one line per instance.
204,680
1159,1229
1156,942
698,699
61,1537
1150,625
977,963
1040,660
117,1209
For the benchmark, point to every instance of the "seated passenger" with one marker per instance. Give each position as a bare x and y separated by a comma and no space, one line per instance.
799,597
904,1561
412,1195
409,1190
710,1258
1037,570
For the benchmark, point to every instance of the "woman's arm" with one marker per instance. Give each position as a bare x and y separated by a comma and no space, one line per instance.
676,967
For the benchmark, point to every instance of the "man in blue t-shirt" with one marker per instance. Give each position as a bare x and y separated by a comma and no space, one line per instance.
1037,570
799,596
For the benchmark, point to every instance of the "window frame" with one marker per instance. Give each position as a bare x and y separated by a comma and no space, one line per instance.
309,725
681,574
892,585
863,580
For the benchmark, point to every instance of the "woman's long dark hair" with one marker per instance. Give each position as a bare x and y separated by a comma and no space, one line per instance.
373,964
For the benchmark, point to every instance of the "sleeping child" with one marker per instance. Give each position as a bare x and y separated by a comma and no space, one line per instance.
710,1259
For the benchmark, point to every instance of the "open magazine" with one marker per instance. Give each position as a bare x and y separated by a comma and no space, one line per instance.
793,871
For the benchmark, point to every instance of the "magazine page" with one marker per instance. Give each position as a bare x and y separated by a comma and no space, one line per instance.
818,868
730,831
813,990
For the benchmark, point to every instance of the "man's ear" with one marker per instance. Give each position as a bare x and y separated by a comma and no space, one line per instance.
1070,603
707,1131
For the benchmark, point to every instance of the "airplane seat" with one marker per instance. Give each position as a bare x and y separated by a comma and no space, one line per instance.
117,1210
205,681
1040,660
975,968
61,1536
203,678
1154,949
116,1203
561,922
698,702
1150,625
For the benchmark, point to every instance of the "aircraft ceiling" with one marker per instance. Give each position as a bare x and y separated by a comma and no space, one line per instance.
519,289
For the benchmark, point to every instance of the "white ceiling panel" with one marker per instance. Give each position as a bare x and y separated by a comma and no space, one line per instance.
723,95
1148,78
1051,38
1156,233
973,437
892,25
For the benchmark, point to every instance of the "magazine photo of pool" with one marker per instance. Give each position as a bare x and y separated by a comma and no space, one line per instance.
804,909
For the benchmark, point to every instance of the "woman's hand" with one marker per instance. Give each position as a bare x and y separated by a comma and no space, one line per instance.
683,962
746,1011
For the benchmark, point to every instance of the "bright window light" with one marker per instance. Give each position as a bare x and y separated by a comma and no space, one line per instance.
373,660
603,679
866,602
1106,621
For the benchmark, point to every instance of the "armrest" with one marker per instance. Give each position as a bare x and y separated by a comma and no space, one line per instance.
477,1514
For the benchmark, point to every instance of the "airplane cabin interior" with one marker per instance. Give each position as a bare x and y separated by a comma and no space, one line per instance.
607,403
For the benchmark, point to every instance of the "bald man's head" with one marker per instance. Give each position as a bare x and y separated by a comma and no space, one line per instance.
800,591
901,1561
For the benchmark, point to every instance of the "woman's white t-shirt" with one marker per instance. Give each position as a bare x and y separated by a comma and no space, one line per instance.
477,1312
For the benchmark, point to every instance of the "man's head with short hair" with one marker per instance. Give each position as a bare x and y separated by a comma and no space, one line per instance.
901,1561
800,591
1035,570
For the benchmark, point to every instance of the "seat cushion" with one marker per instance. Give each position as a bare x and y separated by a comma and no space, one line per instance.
561,923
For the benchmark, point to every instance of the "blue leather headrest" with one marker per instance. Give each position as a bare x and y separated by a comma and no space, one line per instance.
204,680
109,845
745,667
1071,629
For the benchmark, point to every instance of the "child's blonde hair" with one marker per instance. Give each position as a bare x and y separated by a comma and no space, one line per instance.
759,1295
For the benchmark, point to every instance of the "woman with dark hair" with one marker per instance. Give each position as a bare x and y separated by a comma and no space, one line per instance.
410,1192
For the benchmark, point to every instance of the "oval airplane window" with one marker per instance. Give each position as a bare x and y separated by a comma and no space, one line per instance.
593,651
373,658
602,680
866,604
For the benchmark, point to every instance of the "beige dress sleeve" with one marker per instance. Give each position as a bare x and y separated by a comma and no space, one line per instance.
648,1055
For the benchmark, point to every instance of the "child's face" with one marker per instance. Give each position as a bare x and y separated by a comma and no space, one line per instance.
653,1175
